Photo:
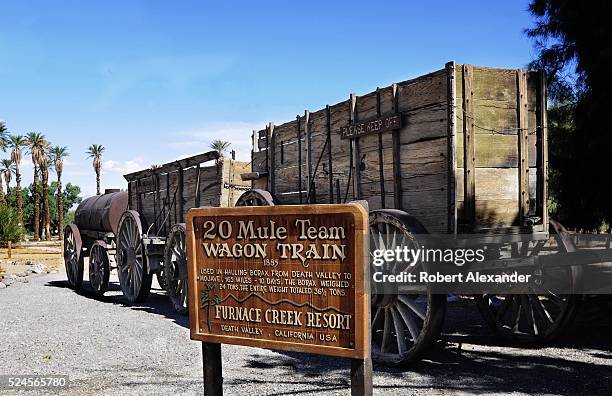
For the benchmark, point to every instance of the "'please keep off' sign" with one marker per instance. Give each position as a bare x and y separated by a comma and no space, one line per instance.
280,277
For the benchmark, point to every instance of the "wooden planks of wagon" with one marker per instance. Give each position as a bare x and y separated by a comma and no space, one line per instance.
162,195
462,149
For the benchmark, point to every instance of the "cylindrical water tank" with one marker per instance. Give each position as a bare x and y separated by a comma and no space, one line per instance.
101,212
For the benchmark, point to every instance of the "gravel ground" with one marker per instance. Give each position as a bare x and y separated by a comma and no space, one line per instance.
107,347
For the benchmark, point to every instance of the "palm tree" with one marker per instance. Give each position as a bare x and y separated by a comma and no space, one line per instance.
2,200
95,151
45,164
37,145
16,142
3,136
220,146
7,170
3,143
58,154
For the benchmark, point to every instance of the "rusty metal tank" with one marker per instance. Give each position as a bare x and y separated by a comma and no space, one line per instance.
102,212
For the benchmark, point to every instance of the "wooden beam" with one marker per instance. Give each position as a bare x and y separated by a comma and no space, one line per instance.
309,182
212,369
272,165
329,155
356,150
299,142
197,188
166,228
156,202
129,195
469,153
139,197
381,171
174,165
542,147
451,96
523,145
397,174
268,187
180,197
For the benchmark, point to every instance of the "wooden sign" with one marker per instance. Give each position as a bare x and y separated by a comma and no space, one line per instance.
280,277
379,125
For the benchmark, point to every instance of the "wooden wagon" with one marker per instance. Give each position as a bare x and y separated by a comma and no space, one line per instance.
142,231
461,151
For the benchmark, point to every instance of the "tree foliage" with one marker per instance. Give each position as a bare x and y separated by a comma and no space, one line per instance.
10,230
573,40
219,145
70,197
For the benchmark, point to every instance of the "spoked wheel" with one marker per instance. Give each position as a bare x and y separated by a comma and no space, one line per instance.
536,318
73,257
175,262
131,260
404,326
256,197
99,268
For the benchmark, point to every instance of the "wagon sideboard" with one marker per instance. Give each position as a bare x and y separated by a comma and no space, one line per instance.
405,146
163,195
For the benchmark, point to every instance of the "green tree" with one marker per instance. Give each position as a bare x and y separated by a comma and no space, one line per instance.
95,151
7,170
574,46
10,229
3,136
58,154
37,145
70,198
16,143
220,146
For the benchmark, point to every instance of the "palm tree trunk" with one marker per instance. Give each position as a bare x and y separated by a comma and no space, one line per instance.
19,195
8,193
2,201
98,181
36,206
45,193
60,207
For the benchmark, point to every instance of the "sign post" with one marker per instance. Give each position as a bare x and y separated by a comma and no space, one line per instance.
281,277
212,369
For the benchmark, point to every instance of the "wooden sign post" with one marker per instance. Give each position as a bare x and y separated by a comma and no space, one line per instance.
291,278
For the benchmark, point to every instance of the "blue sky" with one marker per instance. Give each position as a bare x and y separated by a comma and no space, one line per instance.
157,80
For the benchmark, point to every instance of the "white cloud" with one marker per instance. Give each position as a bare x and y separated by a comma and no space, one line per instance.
237,133
124,167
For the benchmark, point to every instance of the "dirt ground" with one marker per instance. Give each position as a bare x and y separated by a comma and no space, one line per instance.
49,254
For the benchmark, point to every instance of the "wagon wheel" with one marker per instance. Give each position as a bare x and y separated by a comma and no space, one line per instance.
533,318
73,256
131,261
257,197
404,326
175,261
99,268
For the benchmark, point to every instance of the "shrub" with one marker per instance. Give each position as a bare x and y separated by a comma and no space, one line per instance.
10,230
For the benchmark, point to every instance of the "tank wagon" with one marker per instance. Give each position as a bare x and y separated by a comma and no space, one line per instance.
141,232
461,151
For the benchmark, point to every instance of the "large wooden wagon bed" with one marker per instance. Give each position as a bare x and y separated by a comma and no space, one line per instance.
404,147
462,152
